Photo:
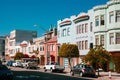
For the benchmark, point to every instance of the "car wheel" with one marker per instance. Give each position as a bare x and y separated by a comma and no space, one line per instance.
51,70
71,73
45,70
61,71
26,67
81,74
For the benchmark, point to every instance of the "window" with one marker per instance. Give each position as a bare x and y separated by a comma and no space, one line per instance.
79,28
97,21
117,38
82,28
40,48
52,47
102,40
102,20
111,36
64,32
77,44
97,40
91,26
43,48
86,27
111,17
82,45
118,16
86,44
91,45
68,31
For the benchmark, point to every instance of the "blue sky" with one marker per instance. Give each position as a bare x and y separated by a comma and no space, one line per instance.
24,14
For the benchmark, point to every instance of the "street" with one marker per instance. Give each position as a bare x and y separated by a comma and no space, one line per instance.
39,74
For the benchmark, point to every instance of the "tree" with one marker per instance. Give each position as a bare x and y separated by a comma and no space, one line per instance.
36,51
97,56
69,51
117,64
18,56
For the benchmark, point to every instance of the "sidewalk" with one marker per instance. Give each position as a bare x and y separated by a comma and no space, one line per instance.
105,76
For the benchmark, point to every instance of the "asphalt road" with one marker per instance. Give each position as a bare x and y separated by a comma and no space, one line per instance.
32,74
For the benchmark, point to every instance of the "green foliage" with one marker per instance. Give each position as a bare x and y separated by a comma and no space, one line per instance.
38,60
18,56
117,64
97,56
69,51
36,51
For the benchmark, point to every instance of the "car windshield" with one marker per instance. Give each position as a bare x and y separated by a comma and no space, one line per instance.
3,67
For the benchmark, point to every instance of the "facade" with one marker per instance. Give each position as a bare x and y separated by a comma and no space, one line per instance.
107,27
12,44
2,48
80,30
39,44
84,35
65,31
45,47
99,26
51,46
66,34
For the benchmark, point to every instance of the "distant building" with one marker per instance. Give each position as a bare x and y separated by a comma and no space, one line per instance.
2,47
39,46
16,37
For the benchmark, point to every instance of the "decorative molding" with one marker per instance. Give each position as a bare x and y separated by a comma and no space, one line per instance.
81,18
66,22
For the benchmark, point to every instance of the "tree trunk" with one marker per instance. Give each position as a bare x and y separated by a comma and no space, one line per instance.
69,60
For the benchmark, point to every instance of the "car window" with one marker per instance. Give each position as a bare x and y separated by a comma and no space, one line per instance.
79,66
76,66
87,66
56,63
52,63
3,67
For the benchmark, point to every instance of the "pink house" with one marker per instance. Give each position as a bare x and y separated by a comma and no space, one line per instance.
51,46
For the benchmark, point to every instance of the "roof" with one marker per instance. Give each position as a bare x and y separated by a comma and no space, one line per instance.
53,39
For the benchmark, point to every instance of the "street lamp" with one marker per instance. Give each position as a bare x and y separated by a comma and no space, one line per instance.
35,25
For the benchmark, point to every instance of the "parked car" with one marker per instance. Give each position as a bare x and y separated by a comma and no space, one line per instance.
0,62
5,73
54,67
83,70
30,64
9,63
17,63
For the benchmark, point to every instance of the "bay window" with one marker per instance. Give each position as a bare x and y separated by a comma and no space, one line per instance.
118,16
